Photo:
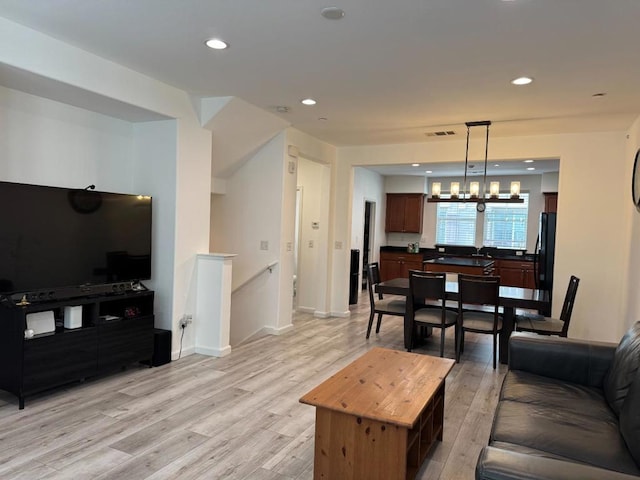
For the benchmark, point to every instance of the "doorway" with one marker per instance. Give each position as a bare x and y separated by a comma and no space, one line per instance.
367,238
296,246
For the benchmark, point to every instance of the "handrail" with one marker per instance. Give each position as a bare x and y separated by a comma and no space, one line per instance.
256,275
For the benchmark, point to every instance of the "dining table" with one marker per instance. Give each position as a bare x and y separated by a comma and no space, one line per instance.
510,298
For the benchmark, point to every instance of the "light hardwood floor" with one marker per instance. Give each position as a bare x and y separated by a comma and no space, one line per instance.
236,417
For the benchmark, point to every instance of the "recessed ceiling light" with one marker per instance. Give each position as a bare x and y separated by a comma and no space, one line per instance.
496,165
528,161
531,168
308,101
332,13
216,44
428,171
522,81
415,164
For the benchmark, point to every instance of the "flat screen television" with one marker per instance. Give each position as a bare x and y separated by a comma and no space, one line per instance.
53,237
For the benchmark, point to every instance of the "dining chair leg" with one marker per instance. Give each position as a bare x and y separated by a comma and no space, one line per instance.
379,322
370,323
459,345
495,341
442,332
411,334
457,336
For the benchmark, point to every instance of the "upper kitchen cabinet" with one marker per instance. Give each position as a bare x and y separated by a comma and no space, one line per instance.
404,212
551,202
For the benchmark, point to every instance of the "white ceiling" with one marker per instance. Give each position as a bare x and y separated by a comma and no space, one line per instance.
389,71
474,169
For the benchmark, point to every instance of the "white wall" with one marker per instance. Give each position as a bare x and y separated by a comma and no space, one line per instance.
633,278
155,171
249,213
368,186
49,143
405,184
592,242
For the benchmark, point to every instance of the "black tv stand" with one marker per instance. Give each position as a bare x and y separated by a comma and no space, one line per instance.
117,330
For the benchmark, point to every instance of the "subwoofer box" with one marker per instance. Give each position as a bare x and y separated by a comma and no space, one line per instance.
161,347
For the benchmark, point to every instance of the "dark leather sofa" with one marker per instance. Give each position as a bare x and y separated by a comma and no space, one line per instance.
568,409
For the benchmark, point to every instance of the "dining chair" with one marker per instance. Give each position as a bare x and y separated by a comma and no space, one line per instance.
478,308
547,325
381,305
427,305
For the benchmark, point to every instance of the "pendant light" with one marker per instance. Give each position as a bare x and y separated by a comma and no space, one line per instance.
474,194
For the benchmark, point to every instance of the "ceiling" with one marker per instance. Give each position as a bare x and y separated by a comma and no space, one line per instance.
388,72
510,168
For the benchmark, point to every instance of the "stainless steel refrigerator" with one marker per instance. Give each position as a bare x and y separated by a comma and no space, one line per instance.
545,252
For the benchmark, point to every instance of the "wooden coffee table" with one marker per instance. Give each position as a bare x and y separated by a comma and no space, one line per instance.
378,417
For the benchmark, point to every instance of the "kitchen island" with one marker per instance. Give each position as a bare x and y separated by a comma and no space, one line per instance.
471,266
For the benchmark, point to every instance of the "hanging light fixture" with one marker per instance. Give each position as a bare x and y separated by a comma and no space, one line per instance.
474,187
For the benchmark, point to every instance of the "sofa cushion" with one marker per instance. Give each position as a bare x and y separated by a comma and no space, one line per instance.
536,389
564,432
623,368
630,419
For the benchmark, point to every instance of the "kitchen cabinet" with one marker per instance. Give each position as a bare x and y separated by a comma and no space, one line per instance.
404,212
397,264
516,273
551,202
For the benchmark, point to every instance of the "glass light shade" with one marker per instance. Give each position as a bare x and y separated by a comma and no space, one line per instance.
435,189
455,189
474,189
515,189
494,189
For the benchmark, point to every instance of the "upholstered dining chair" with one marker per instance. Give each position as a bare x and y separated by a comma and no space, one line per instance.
478,308
426,305
551,326
379,304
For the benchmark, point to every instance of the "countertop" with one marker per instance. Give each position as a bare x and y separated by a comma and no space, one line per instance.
462,262
495,254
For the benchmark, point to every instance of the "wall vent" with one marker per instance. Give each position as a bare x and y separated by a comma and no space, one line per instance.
440,133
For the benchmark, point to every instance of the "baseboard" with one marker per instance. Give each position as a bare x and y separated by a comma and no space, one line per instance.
214,352
318,314
305,309
346,314
277,330
185,353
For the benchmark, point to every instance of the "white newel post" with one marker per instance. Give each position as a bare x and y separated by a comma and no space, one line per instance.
213,303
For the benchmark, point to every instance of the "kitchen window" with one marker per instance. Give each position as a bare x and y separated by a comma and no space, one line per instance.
505,224
456,223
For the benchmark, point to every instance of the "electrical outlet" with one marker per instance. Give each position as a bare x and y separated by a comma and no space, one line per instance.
186,320
264,245
310,243
338,245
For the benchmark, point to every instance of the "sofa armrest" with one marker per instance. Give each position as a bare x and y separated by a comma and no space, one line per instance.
576,361
499,464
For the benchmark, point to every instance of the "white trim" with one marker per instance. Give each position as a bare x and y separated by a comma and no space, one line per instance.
305,309
319,314
277,330
345,314
185,353
214,352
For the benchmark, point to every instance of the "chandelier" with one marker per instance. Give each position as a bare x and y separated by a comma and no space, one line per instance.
473,195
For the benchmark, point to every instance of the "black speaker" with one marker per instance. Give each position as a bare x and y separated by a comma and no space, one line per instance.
161,347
